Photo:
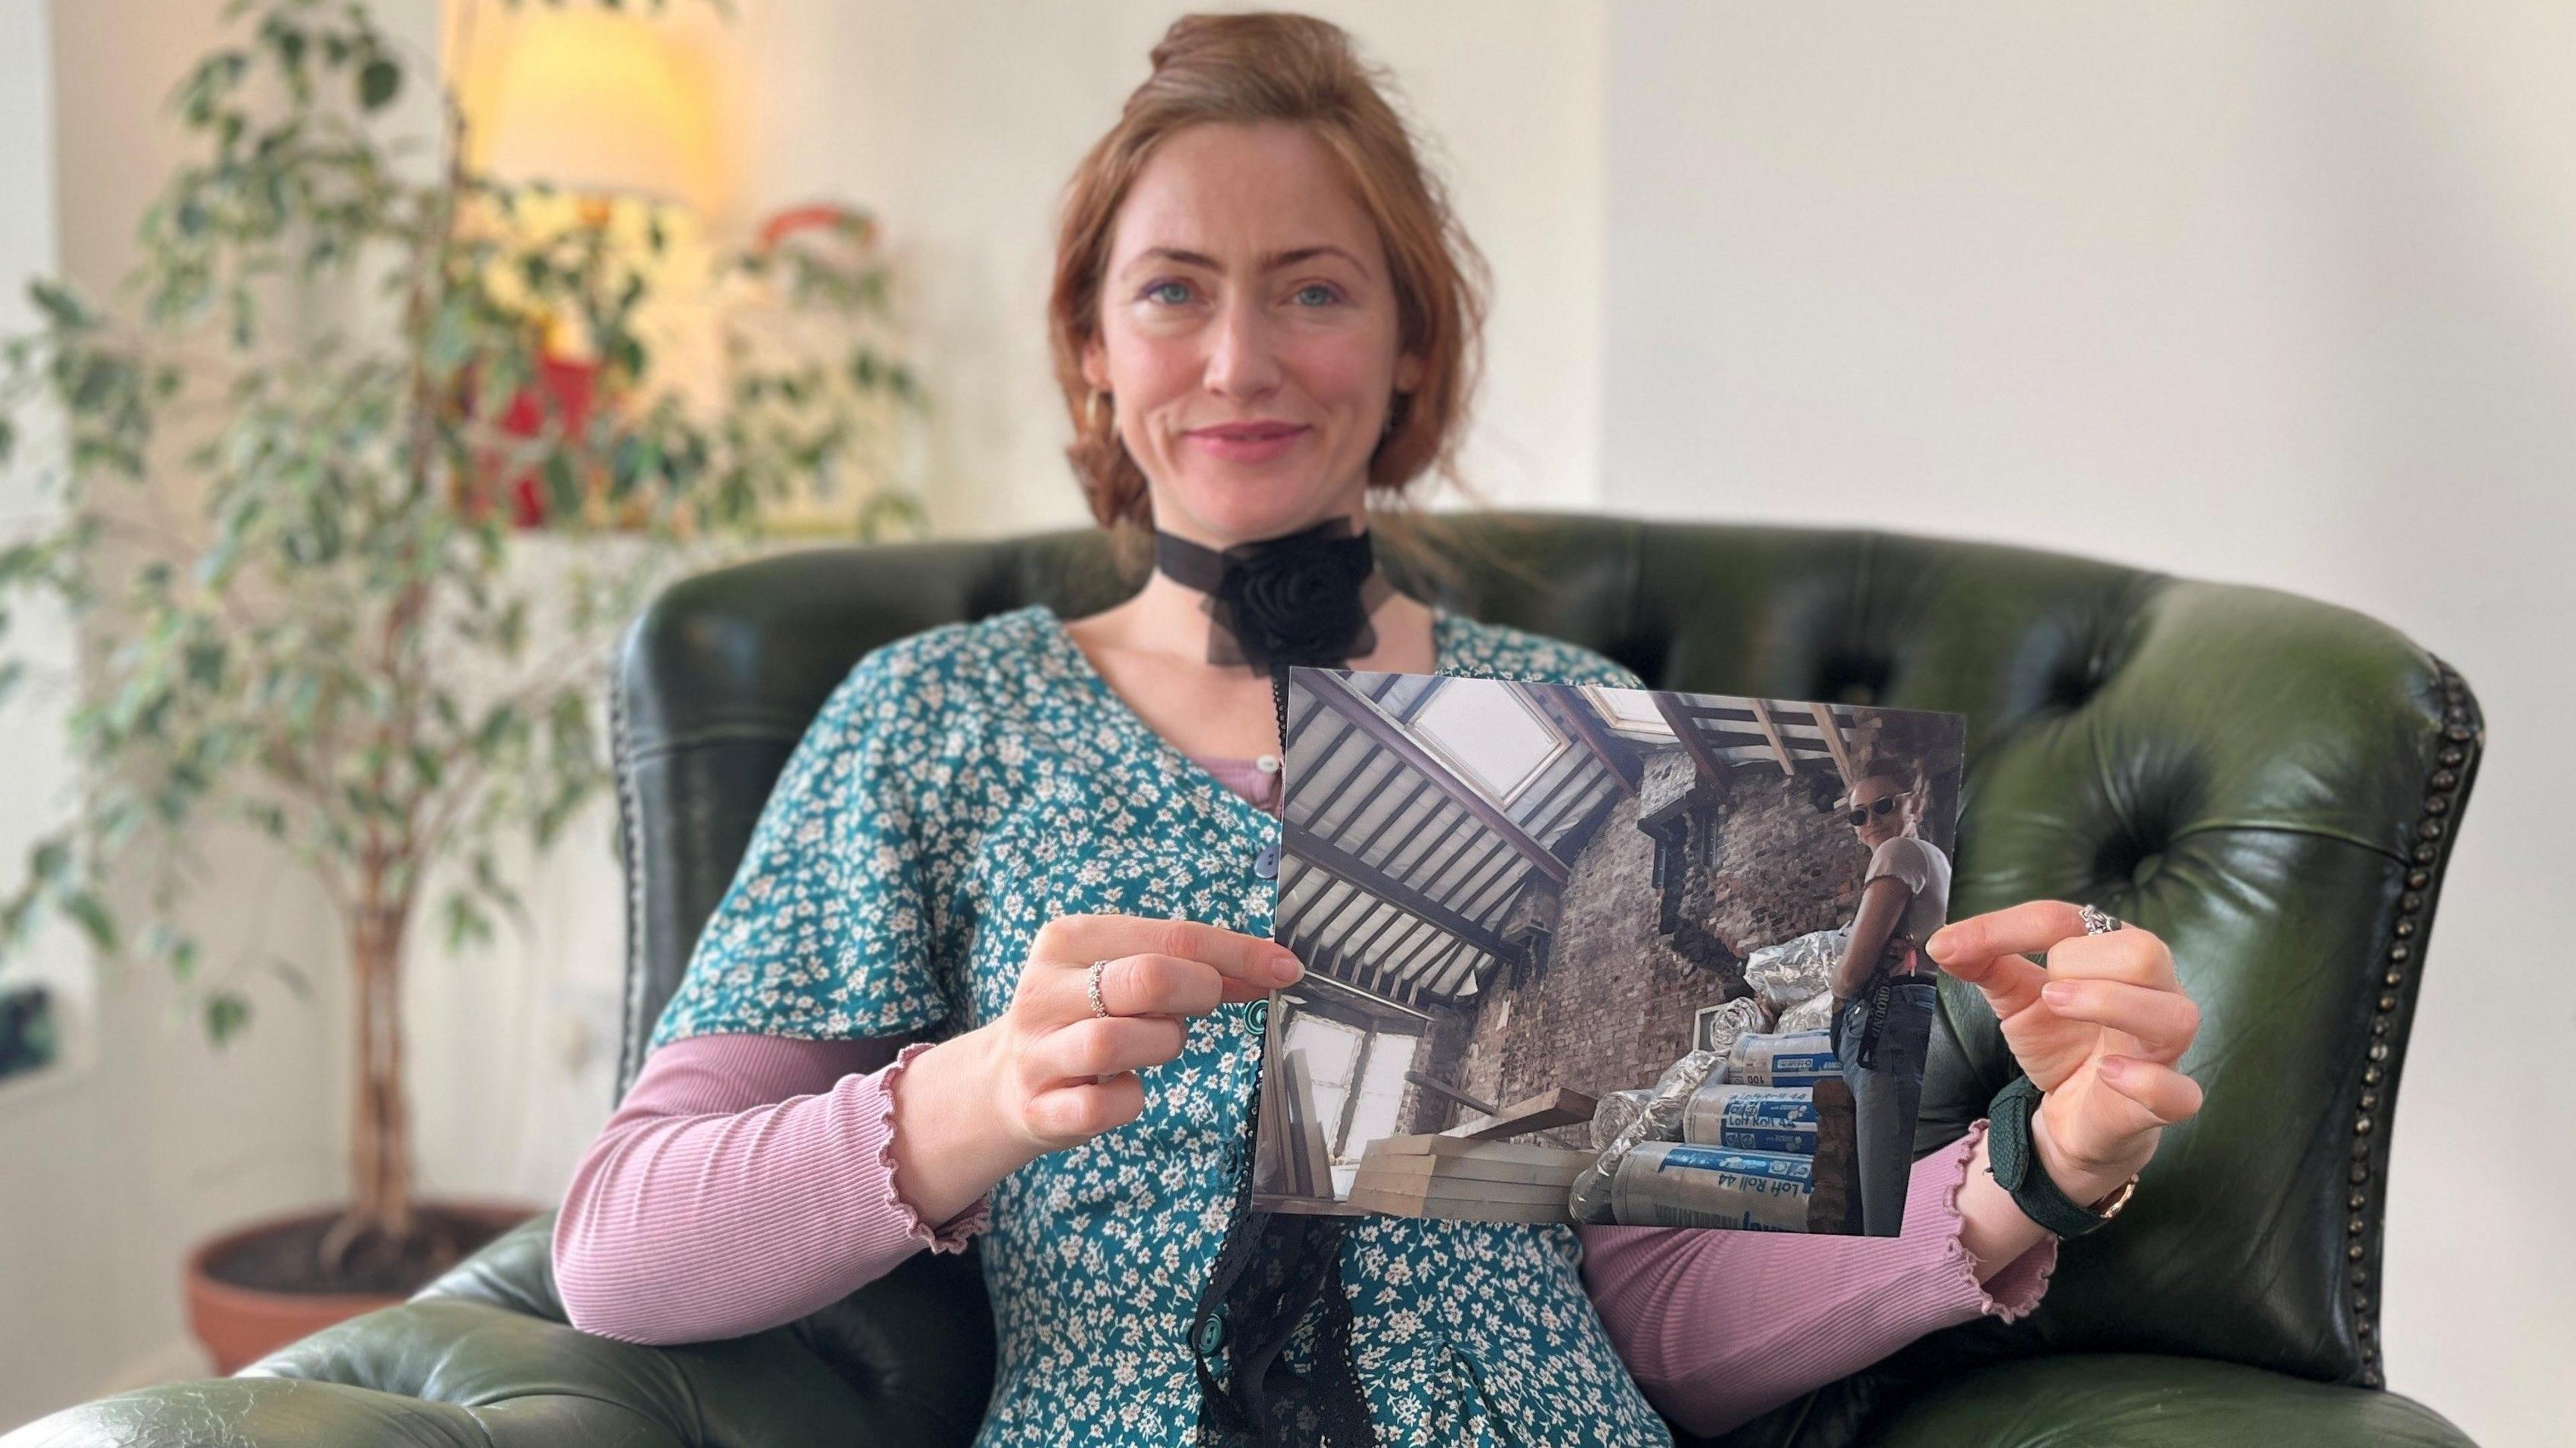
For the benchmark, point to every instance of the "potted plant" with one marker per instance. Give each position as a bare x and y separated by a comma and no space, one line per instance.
334,635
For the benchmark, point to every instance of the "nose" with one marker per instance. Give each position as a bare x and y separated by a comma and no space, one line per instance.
1241,363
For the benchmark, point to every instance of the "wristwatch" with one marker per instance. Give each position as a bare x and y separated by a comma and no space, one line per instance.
2017,1170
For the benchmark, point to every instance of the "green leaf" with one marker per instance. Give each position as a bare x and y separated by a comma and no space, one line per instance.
84,908
50,860
378,81
58,302
227,1015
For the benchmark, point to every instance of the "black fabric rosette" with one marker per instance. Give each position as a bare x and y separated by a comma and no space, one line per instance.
1276,603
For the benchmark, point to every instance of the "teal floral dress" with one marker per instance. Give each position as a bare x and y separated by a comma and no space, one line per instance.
965,785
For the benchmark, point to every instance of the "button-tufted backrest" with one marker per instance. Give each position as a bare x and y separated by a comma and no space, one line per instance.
2269,782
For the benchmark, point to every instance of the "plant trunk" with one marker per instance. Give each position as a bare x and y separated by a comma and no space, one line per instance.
380,1148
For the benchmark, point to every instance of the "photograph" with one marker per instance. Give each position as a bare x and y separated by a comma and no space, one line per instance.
1601,955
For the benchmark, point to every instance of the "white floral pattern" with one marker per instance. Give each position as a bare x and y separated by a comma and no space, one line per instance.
965,785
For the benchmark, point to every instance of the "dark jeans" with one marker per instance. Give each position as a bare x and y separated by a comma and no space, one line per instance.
1885,1095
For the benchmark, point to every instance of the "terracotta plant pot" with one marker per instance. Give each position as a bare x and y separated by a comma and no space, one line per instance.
238,1325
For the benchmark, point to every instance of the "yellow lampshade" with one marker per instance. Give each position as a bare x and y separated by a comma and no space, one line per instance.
590,101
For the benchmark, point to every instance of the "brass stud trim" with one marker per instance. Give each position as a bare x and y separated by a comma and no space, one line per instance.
2458,734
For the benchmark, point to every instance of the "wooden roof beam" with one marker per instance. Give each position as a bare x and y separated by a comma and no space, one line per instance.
1835,745
1574,713
1771,731
1711,767
1316,851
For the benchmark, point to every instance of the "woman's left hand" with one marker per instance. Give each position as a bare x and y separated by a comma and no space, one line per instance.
2097,1029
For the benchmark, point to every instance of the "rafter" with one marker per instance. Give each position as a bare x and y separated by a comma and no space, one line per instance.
1686,729
1832,729
1771,732
1572,712
1324,855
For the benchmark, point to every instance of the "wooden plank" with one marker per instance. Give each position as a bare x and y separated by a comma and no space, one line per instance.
1771,731
1425,1144
1275,1172
1835,745
1314,1165
1462,1190
1351,1098
1570,709
1685,729
1315,850
1543,1112
1390,737
1463,1210
1400,1171
1429,1082
1316,983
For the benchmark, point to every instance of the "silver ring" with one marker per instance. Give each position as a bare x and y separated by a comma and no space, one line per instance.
2097,922
1099,1007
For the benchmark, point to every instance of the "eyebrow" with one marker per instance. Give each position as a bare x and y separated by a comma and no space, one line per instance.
1271,262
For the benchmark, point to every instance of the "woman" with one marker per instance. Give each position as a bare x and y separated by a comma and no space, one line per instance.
994,957
1882,986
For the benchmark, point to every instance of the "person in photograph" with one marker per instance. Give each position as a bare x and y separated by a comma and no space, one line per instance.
1883,985
994,962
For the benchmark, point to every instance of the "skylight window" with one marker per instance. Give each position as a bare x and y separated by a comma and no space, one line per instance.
1631,711
1491,736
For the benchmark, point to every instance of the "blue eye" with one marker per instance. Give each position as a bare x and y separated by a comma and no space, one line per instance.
1311,289
1154,292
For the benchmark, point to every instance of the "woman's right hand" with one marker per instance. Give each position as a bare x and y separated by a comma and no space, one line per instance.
1048,1073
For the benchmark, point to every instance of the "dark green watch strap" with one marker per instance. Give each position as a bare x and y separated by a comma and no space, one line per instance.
2017,1169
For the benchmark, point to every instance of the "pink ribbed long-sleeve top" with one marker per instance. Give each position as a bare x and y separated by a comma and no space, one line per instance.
746,1181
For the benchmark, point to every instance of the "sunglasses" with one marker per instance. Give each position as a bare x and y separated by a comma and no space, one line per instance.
1860,813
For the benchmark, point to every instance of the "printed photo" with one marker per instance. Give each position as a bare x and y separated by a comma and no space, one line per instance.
1584,954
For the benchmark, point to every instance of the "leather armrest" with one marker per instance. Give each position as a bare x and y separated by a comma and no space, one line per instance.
2142,1401
483,1358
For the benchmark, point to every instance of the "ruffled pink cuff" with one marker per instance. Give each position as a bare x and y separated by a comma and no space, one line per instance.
2012,1293
744,1182
1718,1327
951,1235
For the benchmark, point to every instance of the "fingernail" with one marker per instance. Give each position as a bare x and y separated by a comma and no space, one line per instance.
2112,1068
1285,969
2058,992
1938,947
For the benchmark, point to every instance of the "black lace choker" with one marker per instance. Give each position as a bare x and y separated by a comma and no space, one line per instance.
1274,603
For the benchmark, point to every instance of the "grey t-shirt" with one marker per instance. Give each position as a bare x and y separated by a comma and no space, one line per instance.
1925,872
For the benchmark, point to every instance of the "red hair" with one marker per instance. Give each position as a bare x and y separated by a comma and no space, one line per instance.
1246,69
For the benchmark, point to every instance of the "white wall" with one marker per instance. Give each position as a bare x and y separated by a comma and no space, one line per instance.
2283,293
110,1173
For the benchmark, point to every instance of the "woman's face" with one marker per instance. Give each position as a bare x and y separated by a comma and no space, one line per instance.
1877,826
1248,334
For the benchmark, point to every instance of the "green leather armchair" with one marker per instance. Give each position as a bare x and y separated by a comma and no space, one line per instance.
2271,783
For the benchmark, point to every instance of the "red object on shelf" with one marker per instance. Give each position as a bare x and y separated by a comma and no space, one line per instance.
565,390
820,215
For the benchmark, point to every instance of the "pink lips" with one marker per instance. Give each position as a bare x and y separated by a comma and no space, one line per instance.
1250,442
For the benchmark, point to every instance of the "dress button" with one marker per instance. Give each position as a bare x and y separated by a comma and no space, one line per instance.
1211,1334
1267,764
1266,864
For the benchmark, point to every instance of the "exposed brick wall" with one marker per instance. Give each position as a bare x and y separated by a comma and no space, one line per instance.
1785,863
1614,1007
